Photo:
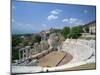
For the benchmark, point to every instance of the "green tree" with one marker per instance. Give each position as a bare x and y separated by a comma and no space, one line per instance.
36,38
75,32
16,40
15,54
65,31
25,42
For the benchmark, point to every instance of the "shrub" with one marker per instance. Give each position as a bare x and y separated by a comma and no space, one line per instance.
75,32
65,31
15,53
36,38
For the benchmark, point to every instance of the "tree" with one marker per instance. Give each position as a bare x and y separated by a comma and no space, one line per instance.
36,38
25,42
15,53
65,31
16,40
75,32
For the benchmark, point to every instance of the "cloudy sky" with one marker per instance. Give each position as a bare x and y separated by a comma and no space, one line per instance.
30,17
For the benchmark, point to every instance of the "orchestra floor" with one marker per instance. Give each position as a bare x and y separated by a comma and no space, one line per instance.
55,58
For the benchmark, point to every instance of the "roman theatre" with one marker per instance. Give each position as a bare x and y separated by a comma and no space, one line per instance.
72,55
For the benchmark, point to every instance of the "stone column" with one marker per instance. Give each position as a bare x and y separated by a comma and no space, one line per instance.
19,55
27,50
23,53
26,54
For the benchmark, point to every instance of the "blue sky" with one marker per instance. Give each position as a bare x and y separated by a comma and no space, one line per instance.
30,17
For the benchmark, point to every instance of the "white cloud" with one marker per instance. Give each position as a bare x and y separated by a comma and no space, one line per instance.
56,11
74,21
65,20
44,25
79,22
70,20
85,11
54,14
52,17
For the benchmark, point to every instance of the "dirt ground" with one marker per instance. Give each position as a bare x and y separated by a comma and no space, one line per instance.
52,59
68,57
